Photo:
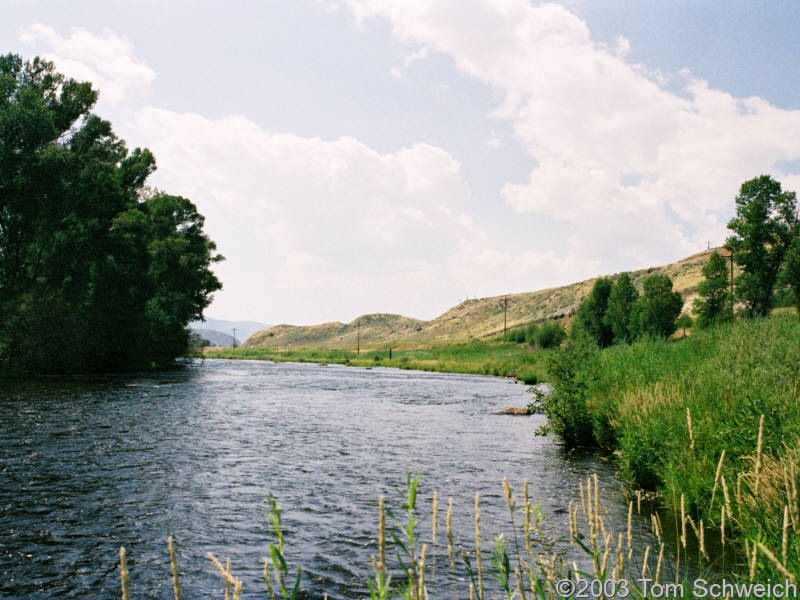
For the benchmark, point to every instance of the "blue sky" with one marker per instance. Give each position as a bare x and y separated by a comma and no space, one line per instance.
368,155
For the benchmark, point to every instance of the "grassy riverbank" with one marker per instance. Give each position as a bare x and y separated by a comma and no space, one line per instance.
713,420
506,359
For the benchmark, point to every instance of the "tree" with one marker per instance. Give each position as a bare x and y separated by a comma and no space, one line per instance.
620,303
96,274
713,304
592,311
791,270
684,322
656,310
762,230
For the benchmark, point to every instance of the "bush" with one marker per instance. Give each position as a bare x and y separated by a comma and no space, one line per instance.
550,335
572,369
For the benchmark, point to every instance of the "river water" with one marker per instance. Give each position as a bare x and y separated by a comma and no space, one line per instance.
90,464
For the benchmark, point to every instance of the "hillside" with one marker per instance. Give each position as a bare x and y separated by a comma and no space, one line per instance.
216,338
244,329
479,318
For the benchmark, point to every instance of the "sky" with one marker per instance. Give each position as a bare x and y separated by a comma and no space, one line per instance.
362,156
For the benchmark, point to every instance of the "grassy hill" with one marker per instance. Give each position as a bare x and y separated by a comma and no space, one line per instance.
477,318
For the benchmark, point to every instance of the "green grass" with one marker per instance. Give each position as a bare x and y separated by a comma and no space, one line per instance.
504,359
726,378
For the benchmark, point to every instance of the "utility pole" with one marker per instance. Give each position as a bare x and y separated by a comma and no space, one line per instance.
358,338
505,314
234,339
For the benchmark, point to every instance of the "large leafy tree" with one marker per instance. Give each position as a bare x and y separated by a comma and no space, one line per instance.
791,271
655,312
713,303
592,311
95,273
620,304
765,220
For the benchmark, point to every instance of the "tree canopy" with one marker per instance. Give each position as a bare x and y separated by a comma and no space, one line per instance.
713,304
763,228
592,311
97,271
656,310
621,299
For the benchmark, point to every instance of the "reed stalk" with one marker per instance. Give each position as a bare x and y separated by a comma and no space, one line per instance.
450,534
267,578
759,456
227,581
785,537
716,478
778,565
124,574
176,584
478,558
381,536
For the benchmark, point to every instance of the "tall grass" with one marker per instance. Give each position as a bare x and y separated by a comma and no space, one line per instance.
714,420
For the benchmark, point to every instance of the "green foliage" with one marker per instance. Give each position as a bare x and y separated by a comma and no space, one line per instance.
591,316
96,274
523,335
684,322
571,369
277,551
791,270
483,358
727,376
196,341
763,227
406,538
656,310
714,302
621,299
550,335
531,334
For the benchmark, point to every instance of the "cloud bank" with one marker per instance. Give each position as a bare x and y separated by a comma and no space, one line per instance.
634,169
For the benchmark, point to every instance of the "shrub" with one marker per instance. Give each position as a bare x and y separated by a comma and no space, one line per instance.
572,369
550,335
531,332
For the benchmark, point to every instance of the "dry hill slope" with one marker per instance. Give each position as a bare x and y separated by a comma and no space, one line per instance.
472,318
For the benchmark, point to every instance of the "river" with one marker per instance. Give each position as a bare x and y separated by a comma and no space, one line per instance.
89,464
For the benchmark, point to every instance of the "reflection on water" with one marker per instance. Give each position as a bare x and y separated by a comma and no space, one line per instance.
90,464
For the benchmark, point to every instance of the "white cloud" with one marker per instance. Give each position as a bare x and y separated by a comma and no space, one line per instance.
420,54
106,60
318,230
314,229
591,120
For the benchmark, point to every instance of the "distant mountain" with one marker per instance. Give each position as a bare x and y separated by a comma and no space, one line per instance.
244,329
217,338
